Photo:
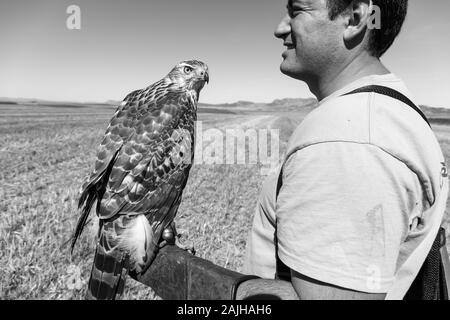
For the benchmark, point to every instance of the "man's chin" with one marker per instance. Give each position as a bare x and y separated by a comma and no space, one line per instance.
290,72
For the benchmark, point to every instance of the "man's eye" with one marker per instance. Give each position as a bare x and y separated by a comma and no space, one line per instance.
289,10
187,70
293,11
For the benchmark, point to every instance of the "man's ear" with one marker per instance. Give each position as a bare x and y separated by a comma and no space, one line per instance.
357,19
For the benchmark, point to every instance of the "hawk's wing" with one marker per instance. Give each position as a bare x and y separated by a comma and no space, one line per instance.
117,132
149,167
141,167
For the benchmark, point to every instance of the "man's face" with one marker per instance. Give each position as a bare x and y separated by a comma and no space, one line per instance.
312,40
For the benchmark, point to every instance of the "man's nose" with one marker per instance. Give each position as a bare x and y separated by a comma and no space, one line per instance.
284,27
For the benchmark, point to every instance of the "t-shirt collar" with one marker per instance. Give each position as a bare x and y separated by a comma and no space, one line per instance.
361,82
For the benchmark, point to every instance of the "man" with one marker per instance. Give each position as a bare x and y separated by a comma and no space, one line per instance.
360,197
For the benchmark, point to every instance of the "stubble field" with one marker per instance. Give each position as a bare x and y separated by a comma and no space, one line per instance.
45,153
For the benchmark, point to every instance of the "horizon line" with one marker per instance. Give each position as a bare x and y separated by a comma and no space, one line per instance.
15,99
105,102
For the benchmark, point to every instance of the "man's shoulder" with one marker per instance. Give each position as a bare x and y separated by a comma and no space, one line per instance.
377,120
368,118
342,118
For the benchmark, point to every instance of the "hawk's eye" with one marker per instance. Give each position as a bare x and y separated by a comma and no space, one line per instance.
187,70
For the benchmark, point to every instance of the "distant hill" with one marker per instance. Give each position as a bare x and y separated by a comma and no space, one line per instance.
26,101
436,115
435,112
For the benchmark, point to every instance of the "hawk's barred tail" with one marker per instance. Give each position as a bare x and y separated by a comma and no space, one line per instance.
108,275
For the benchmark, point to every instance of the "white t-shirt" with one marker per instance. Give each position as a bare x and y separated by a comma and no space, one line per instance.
363,195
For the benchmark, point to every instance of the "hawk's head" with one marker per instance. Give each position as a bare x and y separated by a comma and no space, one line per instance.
190,74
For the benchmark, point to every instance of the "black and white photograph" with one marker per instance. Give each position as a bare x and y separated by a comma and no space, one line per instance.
224,150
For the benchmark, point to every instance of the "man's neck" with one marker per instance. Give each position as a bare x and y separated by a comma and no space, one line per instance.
364,65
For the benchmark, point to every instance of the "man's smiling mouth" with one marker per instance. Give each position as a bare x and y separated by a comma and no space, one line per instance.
289,45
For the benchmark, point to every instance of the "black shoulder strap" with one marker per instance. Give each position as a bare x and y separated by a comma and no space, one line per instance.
390,93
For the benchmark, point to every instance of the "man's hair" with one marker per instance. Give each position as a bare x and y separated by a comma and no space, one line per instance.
393,13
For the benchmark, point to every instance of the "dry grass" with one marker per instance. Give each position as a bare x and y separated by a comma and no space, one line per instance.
45,152
44,157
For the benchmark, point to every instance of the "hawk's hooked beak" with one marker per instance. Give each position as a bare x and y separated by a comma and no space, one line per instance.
206,77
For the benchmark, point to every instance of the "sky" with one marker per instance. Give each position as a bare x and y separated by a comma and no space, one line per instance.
127,45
